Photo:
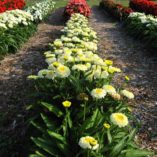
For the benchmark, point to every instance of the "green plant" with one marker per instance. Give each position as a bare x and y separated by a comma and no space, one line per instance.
79,113
143,27
12,39
21,25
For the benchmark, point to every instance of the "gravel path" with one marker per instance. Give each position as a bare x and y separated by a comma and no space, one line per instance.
136,62
14,88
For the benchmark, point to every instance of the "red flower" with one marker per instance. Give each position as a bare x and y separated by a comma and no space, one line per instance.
148,7
77,6
11,5
117,10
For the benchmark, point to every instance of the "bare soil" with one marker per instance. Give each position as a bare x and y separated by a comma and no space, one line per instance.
15,88
138,63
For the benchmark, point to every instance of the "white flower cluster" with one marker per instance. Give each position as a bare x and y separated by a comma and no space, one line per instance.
70,56
41,9
149,20
74,52
12,18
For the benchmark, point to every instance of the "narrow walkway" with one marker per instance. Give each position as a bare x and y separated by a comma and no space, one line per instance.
136,62
14,88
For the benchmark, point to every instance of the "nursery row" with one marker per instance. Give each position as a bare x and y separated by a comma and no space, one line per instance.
117,10
79,112
140,25
16,26
145,6
77,6
11,5
41,9
143,27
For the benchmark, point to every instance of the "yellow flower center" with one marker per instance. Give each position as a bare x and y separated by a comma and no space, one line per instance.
99,91
106,125
61,69
92,141
108,87
120,117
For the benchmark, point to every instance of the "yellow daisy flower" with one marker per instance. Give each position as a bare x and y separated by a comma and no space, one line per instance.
66,104
88,142
98,93
106,125
108,62
119,119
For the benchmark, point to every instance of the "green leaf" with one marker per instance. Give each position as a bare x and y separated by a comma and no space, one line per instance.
132,134
35,124
34,155
52,109
138,153
90,122
62,143
57,136
109,136
132,145
64,149
118,147
49,123
69,120
39,154
41,143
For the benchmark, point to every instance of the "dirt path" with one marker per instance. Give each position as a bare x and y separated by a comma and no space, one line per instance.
138,63
14,87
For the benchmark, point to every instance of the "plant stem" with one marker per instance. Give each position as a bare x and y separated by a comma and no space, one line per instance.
88,153
66,121
84,117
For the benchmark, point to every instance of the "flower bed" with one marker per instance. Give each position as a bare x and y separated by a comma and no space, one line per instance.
11,19
40,10
143,27
16,26
79,112
145,6
117,10
77,6
11,5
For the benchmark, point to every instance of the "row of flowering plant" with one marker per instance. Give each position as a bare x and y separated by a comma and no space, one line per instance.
16,26
117,10
41,9
77,6
143,27
145,6
10,19
11,5
13,18
79,112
